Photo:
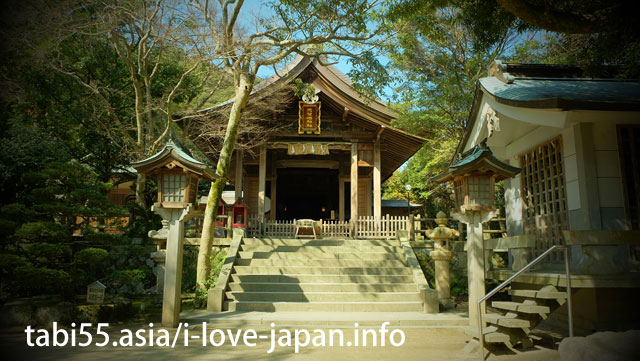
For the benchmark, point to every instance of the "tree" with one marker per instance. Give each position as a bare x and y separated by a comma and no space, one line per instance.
593,34
155,48
315,29
437,64
574,17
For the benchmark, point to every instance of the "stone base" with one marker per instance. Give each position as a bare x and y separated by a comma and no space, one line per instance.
447,303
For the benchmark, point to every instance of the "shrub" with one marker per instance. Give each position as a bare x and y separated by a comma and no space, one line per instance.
10,262
129,276
28,280
106,239
92,256
38,231
217,261
47,253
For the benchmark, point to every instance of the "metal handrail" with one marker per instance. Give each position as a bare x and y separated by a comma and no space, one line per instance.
521,271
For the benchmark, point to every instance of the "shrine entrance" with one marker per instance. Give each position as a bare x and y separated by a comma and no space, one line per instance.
307,193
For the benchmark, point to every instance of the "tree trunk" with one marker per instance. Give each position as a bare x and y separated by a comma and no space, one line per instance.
141,180
243,89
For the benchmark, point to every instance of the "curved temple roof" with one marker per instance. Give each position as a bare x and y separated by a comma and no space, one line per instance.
337,90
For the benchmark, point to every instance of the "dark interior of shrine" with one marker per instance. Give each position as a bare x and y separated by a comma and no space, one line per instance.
306,193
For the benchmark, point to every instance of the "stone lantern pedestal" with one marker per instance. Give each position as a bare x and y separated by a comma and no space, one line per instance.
442,236
475,257
442,257
160,255
171,296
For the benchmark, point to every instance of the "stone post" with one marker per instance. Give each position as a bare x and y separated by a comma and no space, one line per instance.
475,257
171,296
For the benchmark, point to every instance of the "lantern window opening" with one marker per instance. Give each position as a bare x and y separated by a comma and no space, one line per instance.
174,186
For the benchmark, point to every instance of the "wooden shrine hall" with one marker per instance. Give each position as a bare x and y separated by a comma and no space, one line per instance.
329,159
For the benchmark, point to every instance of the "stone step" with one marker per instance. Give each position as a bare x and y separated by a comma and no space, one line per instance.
547,295
280,262
453,321
324,296
508,320
323,306
318,242
322,287
305,270
521,307
328,249
322,278
323,255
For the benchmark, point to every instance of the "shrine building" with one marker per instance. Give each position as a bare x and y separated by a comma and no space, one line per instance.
330,158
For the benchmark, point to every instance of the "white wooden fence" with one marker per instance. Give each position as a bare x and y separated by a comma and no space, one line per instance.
368,227
280,229
335,229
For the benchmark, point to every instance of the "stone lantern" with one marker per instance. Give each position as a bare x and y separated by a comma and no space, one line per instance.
473,177
441,236
178,175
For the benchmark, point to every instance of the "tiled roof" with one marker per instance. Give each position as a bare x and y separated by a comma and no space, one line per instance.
594,91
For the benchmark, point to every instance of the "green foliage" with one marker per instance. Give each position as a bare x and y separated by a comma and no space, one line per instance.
10,262
31,280
302,89
435,65
102,238
48,231
217,261
48,253
189,265
92,256
120,277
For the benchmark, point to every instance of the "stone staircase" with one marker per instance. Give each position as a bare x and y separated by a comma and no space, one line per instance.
295,275
527,309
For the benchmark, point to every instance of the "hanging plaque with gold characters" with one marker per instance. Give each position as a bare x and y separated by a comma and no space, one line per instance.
309,118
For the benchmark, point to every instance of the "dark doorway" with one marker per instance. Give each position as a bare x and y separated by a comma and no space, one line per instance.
306,193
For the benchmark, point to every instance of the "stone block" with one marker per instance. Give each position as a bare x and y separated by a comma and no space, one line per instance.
430,300
610,192
215,299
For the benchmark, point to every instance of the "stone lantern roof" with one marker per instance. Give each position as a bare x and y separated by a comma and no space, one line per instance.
172,154
479,159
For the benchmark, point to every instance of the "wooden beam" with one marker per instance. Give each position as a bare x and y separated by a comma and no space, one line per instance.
345,114
377,190
239,173
354,190
307,163
262,173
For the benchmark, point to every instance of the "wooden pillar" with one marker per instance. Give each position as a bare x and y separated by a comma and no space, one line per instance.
377,191
354,190
239,171
274,177
340,197
262,179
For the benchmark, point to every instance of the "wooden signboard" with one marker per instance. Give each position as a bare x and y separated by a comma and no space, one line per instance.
95,292
309,118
